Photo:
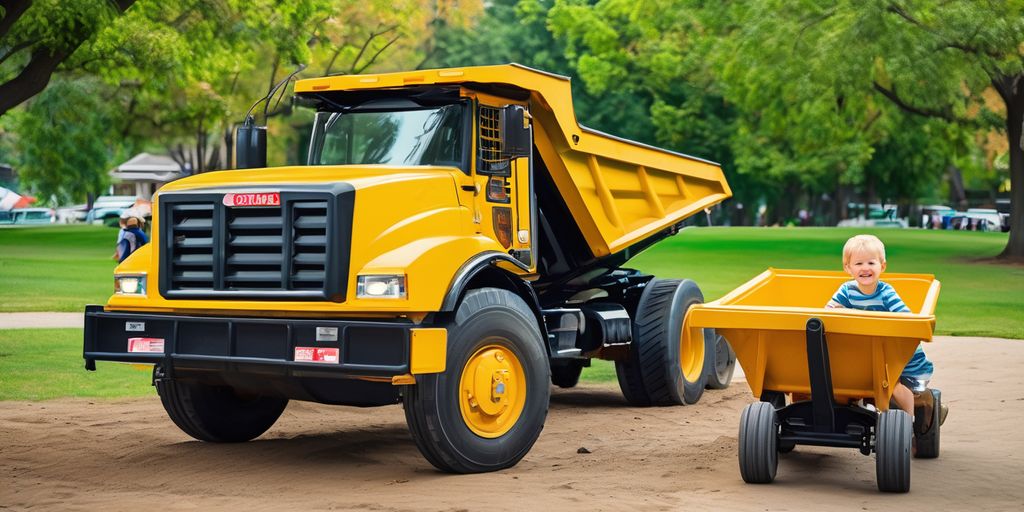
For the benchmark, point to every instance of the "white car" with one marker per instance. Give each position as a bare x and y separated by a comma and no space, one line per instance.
109,208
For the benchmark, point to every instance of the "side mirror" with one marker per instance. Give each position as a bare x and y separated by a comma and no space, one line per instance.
515,132
250,145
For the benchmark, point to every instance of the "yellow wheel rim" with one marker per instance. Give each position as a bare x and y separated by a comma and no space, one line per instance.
691,353
492,391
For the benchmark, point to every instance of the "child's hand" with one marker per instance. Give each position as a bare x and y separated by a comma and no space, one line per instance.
834,305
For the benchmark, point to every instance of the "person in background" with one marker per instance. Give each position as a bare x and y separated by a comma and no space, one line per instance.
130,238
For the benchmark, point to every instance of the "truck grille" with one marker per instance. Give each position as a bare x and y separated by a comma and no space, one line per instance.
290,251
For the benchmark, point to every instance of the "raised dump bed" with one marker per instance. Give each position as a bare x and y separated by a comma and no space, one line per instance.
783,337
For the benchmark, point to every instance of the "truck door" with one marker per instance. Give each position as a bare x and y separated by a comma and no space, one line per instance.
503,177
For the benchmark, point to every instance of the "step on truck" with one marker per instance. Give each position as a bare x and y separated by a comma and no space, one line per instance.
455,243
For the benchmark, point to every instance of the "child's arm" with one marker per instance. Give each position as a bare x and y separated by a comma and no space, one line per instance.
839,299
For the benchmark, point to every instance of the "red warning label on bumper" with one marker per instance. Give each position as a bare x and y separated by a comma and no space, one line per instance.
317,355
150,345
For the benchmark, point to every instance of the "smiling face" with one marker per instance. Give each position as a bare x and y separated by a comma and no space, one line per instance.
865,266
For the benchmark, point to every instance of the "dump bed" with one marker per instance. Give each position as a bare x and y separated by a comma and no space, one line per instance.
765,321
619,192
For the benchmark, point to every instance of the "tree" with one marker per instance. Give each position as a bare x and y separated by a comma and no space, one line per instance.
37,36
657,53
64,142
932,60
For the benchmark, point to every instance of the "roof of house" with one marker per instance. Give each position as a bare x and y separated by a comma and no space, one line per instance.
147,167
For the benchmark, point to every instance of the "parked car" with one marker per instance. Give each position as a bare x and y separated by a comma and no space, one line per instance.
71,214
985,219
931,216
107,209
33,215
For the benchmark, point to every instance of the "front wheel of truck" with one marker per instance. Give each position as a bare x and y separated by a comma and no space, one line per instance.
217,413
487,409
663,367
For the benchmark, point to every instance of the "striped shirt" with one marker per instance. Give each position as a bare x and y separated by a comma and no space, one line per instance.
919,370
885,298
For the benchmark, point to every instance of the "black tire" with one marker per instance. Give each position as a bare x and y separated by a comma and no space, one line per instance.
486,317
566,375
892,451
719,360
217,413
758,443
652,372
927,444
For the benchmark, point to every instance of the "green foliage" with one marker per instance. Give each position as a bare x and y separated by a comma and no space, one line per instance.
53,25
511,31
65,142
42,364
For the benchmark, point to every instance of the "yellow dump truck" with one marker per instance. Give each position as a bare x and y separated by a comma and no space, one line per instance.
454,243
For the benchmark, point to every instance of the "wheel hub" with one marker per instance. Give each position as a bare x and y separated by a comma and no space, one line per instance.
493,391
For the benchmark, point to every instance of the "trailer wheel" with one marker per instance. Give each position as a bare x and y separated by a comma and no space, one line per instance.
217,413
892,451
487,409
759,436
662,368
566,375
719,360
927,444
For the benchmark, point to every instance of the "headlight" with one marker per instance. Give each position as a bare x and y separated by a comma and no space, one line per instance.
380,287
130,285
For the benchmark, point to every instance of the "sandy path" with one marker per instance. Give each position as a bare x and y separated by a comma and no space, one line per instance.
126,455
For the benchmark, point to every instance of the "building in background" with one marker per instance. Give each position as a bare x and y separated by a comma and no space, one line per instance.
144,174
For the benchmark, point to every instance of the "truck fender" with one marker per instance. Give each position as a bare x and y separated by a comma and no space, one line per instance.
485,267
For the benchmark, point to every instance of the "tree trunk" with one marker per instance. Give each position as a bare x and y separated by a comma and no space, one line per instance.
1014,124
957,193
13,10
34,77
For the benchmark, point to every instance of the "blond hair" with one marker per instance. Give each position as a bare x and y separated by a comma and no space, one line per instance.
866,243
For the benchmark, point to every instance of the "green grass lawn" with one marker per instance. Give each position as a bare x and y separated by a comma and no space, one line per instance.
55,268
63,268
38,364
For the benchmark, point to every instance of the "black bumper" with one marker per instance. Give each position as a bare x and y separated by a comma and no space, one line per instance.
248,345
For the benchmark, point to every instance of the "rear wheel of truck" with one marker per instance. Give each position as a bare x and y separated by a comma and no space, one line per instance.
217,413
662,367
487,409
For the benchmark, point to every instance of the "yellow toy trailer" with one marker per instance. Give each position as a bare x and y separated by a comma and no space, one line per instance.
787,342
455,243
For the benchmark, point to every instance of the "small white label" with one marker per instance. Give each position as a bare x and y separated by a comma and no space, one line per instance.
135,326
327,334
524,236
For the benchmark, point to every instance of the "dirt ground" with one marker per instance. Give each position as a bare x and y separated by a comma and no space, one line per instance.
126,455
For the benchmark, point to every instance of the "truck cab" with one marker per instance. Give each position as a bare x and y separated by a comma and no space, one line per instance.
455,243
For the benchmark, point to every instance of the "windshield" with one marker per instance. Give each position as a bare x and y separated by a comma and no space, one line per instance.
427,136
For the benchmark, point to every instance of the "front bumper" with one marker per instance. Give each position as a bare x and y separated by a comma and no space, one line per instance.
378,350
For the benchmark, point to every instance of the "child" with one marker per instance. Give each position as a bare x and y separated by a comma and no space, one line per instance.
864,260
131,238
